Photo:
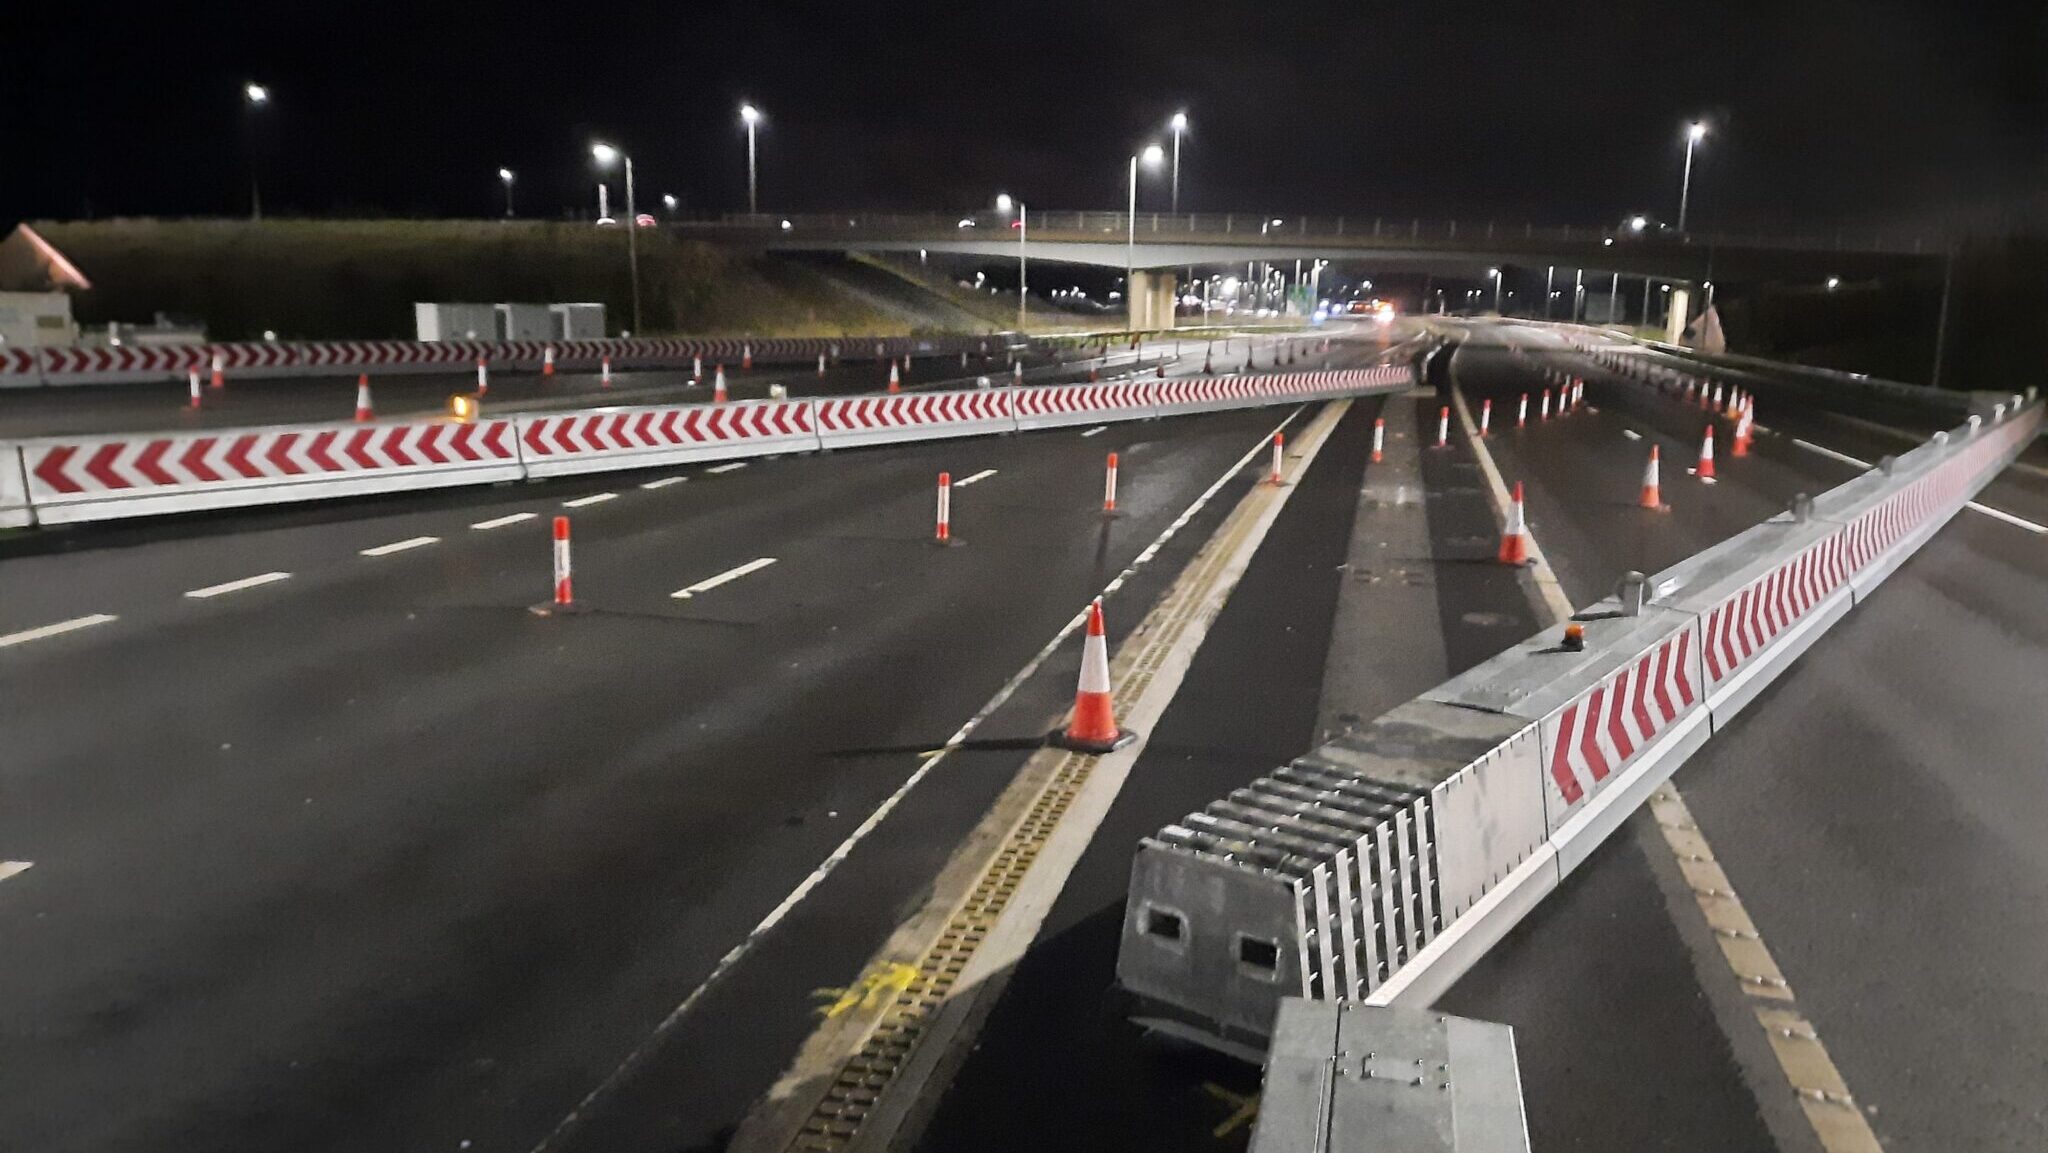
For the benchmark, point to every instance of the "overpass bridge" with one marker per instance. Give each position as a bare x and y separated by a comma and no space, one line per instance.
1152,243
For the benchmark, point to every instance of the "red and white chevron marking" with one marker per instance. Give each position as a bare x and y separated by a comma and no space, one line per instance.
644,429
869,413
129,466
1742,625
1063,399
1597,733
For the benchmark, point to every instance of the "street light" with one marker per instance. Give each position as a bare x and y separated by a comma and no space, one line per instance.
1495,274
254,96
1638,223
604,155
1180,126
668,201
1151,155
505,178
1693,133
751,116
1834,282
1003,205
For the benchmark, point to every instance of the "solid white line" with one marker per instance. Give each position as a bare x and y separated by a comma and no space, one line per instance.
1998,514
1844,457
984,474
664,482
723,578
401,545
727,467
14,868
502,521
36,634
1096,429
594,498
931,760
238,586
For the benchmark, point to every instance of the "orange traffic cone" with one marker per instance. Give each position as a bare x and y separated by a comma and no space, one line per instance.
1742,423
746,358
220,376
1651,498
1514,542
1705,471
1094,728
363,409
547,361
718,386
1092,375
895,384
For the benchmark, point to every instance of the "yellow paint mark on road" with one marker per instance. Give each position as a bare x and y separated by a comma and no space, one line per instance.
1244,1108
874,987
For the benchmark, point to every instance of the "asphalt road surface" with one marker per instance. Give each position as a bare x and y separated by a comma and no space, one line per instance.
336,846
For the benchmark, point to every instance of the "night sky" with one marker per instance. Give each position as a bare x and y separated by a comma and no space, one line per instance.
1826,114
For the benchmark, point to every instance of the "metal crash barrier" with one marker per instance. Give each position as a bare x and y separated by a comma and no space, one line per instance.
1380,866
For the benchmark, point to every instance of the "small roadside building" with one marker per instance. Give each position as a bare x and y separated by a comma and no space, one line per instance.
36,281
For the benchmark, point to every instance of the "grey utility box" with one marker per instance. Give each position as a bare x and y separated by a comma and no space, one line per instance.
579,321
438,322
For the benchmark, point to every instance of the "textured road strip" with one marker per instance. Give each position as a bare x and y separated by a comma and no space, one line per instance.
947,963
238,586
58,629
587,501
14,868
405,545
502,521
738,464
984,474
1093,431
1822,1094
725,577
930,761
664,482
1973,506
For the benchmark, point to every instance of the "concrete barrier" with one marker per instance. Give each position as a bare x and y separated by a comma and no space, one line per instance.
14,507
609,439
104,478
1382,865
849,421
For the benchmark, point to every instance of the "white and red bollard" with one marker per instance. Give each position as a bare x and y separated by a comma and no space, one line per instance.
192,381
220,376
1485,416
1279,442
1379,438
718,386
547,361
364,411
1109,487
1522,412
564,593
1443,427
1514,540
1546,404
1705,469
821,362
944,532
483,377
604,368
1017,373
696,370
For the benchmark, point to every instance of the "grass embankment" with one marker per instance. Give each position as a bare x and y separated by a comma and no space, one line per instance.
306,279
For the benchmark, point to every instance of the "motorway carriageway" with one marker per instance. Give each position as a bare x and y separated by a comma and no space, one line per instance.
1877,808
336,846
161,406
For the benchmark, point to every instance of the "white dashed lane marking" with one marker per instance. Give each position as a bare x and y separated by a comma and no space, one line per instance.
502,521
725,577
664,482
58,629
405,545
593,498
984,474
1096,429
238,586
727,467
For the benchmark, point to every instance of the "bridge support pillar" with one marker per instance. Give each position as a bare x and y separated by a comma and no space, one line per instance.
1151,300
1675,318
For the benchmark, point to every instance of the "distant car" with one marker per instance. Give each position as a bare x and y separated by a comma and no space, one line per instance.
644,220
1016,224
966,222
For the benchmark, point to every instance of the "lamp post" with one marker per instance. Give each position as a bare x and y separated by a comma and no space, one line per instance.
1180,125
505,178
605,154
1495,274
751,116
1003,203
1693,133
254,97
1151,155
